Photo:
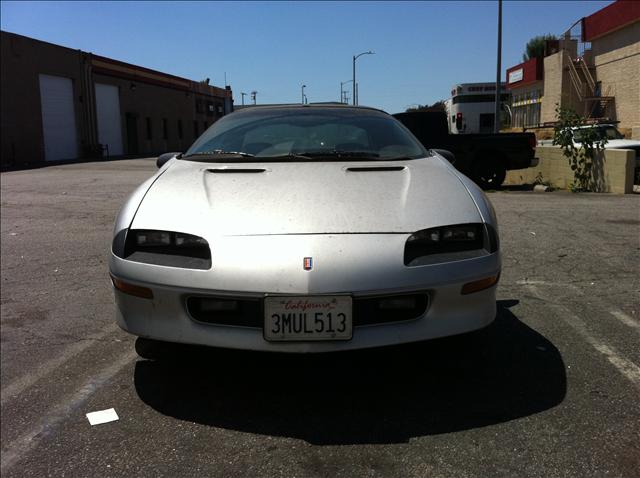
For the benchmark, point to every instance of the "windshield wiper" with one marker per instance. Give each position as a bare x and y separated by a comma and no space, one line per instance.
281,157
356,154
338,154
321,156
220,152
397,158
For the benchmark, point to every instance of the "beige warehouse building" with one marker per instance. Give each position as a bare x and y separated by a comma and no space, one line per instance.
597,74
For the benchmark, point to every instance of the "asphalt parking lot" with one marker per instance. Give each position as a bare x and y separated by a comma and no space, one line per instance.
553,389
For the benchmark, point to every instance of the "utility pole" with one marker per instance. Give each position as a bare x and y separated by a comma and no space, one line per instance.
496,116
302,97
343,93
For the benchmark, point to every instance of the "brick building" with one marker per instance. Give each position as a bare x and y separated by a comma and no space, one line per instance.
596,73
614,34
59,104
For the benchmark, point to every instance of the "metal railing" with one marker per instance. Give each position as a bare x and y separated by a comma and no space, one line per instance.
575,77
587,75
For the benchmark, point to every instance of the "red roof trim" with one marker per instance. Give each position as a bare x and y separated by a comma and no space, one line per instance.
165,79
127,76
612,17
532,71
139,68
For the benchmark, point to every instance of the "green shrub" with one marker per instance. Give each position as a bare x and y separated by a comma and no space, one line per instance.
581,157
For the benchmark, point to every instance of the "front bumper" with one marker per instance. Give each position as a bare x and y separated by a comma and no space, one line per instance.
349,269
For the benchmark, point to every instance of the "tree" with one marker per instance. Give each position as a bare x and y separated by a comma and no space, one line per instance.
535,46
437,106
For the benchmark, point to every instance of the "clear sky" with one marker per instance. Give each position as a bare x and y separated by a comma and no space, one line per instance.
422,48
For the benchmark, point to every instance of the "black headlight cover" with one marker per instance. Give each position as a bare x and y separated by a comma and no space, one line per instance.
450,243
167,248
118,244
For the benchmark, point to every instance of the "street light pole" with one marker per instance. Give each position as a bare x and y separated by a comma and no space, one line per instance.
303,87
354,81
355,57
243,95
496,115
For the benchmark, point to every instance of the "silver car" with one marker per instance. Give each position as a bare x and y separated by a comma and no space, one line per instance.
305,229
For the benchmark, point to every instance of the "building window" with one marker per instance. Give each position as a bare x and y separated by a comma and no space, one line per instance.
219,108
165,129
179,129
149,129
210,108
196,133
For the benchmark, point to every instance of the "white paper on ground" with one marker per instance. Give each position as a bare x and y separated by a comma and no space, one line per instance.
103,416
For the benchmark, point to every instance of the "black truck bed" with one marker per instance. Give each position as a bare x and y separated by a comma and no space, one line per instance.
485,158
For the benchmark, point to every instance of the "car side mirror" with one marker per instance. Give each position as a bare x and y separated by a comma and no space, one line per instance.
163,158
446,154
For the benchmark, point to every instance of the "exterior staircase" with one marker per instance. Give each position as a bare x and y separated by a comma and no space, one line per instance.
596,105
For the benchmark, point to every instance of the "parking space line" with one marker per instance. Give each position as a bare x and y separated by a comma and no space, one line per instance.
621,316
626,367
567,285
19,447
21,384
625,319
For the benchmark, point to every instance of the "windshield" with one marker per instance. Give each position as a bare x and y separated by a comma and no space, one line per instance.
601,132
303,134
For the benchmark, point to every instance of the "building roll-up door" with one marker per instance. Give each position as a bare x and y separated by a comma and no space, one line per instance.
109,121
58,118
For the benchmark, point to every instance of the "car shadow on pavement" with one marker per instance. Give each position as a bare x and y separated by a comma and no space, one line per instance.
386,395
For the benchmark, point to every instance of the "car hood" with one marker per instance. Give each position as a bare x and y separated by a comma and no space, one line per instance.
306,198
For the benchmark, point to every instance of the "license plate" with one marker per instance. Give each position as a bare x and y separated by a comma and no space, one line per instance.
307,318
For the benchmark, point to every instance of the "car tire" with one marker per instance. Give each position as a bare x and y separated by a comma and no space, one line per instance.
151,349
489,174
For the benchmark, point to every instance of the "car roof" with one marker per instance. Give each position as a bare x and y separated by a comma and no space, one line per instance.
309,107
594,126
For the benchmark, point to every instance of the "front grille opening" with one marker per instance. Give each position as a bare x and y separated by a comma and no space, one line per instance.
244,312
240,312
389,308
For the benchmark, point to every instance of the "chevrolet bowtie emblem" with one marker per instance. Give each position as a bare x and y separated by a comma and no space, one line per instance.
307,264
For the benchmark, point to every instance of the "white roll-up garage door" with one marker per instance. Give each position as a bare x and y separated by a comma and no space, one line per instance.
58,118
108,113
